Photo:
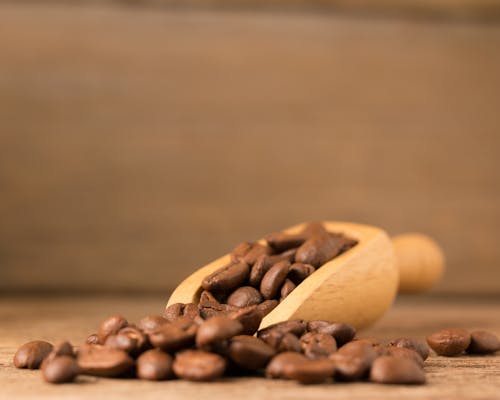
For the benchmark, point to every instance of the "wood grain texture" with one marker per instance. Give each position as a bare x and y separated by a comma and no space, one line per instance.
457,378
137,146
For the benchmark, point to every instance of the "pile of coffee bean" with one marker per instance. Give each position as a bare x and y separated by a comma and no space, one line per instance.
219,335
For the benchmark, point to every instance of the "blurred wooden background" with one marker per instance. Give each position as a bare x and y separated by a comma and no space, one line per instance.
137,143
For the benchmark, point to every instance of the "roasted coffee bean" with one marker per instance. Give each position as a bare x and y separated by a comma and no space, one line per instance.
264,263
122,342
60,369
197,365
217,329
318,250
368,340
388,369
276,367
287,342
314,228
174,335
317,345
173,311
215,309
309,371
418,345
267,306
249,352
347,243
449,342
154,365
60,349
239,251
353,360
273,280
295,326
99,360
151,322
483,342
286,289
255,252
207,298
92,339
299,271
342,333
281,241
405,353
111,326
250,318
227,278
31,355
245,296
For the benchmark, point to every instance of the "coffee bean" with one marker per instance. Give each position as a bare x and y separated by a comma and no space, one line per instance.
309,371
317,345
173,311
388,369
92,339
60,369
255,252
276,367
449,342
31,355
318,250
217,329
419,346
215,309
240,250
99,360
227,278
287,342
273,279
286,289
281,241
368,340
299,271
250,318
60,349
174,335
483,342
245,296
111,326
296,326
151,322
207,298
259,269
353,360
249,352
122,342
405,353
342,333
197,365
267,306
154,365
314,228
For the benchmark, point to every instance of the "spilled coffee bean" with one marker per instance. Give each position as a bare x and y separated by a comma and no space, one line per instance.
449,342
31,355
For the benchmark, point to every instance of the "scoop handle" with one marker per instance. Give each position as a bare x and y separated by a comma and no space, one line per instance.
420,260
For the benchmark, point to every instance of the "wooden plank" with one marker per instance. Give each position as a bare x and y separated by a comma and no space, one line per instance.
457,377
137,145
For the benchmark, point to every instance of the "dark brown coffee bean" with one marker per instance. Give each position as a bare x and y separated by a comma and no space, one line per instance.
287,342
111,326
286,289
245,296
60,349
208,311
298,272
318,250
267,306
207,298
281,241
31,355
191,311
353,360
154,365
227,278
309,371
151,322
217,329
240,250
296,326
418,345
274,279
449,342
250,318
255,252
60,369
122,342
173,311
99,360
197,365
405,353
92,339
259,269
249,352
276,367
314,228
388,369
317,345
483,342
174,335
342,333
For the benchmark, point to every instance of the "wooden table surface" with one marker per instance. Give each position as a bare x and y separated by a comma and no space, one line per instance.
29,318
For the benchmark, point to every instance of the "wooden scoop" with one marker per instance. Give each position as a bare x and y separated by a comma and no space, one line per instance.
356,287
